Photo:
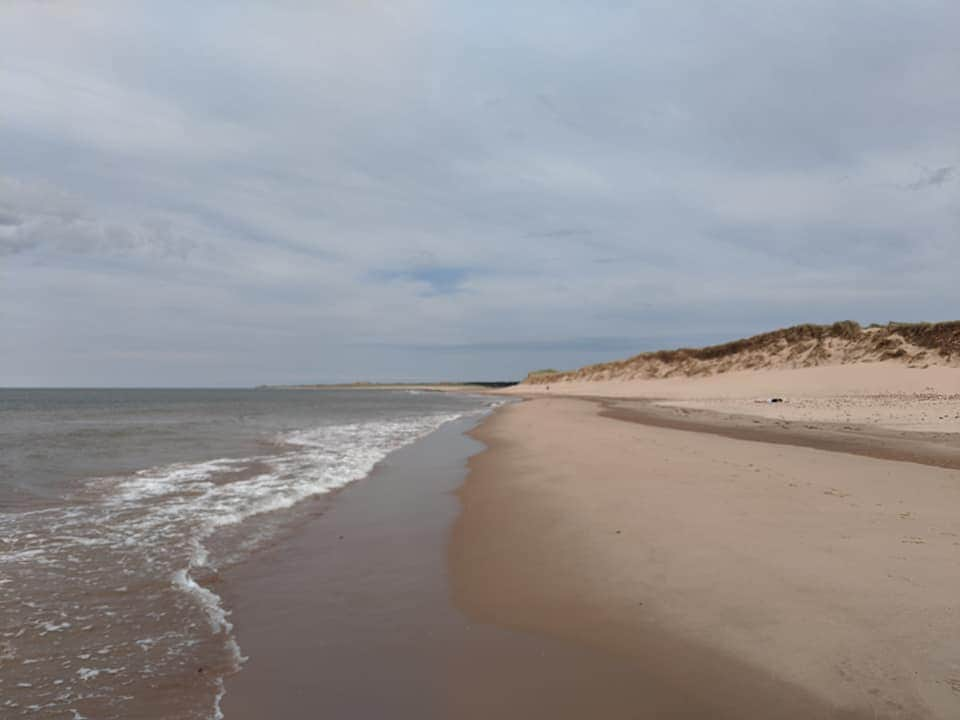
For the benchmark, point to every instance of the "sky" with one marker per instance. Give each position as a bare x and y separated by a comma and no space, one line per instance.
236,193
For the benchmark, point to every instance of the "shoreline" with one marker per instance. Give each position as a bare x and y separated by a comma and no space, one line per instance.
561,586
453,387
313,611
764,594
351,615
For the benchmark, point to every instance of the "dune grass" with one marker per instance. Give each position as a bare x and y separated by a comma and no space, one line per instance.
802,345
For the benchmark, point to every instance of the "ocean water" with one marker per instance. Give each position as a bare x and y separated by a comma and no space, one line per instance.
118,509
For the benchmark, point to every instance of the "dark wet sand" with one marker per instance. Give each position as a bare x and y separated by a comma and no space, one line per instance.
936,449
352,617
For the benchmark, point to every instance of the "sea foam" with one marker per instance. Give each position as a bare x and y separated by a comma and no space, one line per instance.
131,561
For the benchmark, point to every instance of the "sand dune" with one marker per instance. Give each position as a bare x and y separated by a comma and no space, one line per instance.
901,376
915,345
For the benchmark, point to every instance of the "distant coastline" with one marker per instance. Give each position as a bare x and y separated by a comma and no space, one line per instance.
423,387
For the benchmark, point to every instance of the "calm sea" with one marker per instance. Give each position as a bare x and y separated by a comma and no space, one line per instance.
118,508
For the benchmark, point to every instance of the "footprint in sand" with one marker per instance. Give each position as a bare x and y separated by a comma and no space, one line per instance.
836,493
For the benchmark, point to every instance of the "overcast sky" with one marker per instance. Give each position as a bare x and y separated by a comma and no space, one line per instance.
239,193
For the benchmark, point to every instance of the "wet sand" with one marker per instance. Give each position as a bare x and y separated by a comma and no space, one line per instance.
351,616
927,447
368,610
742,566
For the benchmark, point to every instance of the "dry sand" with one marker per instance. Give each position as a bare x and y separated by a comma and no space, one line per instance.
886,394
763,579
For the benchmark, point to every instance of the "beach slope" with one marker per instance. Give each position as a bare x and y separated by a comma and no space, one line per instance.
764,579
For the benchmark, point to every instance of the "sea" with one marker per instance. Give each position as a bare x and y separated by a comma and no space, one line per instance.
120,508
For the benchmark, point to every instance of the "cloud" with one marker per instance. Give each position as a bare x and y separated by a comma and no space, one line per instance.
39,218
436,280
935,178
266,191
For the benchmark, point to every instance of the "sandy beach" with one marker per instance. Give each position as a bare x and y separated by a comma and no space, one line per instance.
350,615
669,547
644,549
883,394
759,578
423,360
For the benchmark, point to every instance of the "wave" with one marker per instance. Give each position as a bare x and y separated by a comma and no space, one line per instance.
125,574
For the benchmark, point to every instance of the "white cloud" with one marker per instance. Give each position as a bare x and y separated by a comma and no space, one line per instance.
286,182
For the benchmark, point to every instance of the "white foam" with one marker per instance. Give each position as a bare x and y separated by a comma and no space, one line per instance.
49,627
218,700
207,599
101,671
161,519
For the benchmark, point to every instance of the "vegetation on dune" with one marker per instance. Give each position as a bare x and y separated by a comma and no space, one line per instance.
798,346
943,337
